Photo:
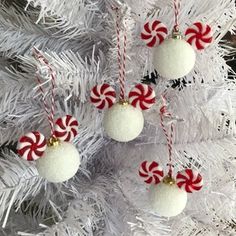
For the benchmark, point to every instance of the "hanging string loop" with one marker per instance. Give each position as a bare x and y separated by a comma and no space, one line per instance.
177,11
121,55
49,106
164,113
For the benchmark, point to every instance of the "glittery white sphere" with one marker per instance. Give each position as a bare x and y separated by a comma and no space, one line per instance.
174,58
59,163
123,123
167,200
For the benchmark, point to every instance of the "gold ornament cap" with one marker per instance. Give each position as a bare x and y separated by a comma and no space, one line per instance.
124,102
176,34
53,142
168,180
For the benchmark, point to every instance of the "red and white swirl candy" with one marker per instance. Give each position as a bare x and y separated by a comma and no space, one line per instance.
66,128
103,96
32,146
151,172
199,35
154,33
189,180
142,96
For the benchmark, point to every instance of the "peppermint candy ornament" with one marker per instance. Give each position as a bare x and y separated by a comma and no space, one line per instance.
66,128
103,96
154,33
124,120
151,172
32,146
189,180
168,196
57,160
199,35
61,159
174,57
142,96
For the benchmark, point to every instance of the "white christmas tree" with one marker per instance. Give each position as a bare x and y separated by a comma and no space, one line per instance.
107,196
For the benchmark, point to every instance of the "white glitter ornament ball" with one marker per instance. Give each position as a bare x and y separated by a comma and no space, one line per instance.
59,163
123,122
174,58
167,199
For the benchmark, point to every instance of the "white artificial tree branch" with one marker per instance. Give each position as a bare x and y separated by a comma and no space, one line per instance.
19,34
106,197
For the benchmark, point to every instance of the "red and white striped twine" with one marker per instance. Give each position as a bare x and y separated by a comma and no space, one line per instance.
49,109
169,137
121,60
177,10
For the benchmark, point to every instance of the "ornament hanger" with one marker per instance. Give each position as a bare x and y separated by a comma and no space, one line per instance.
169,137
104,96
199,35
177,10
121,56
49,108
33,145
189,180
